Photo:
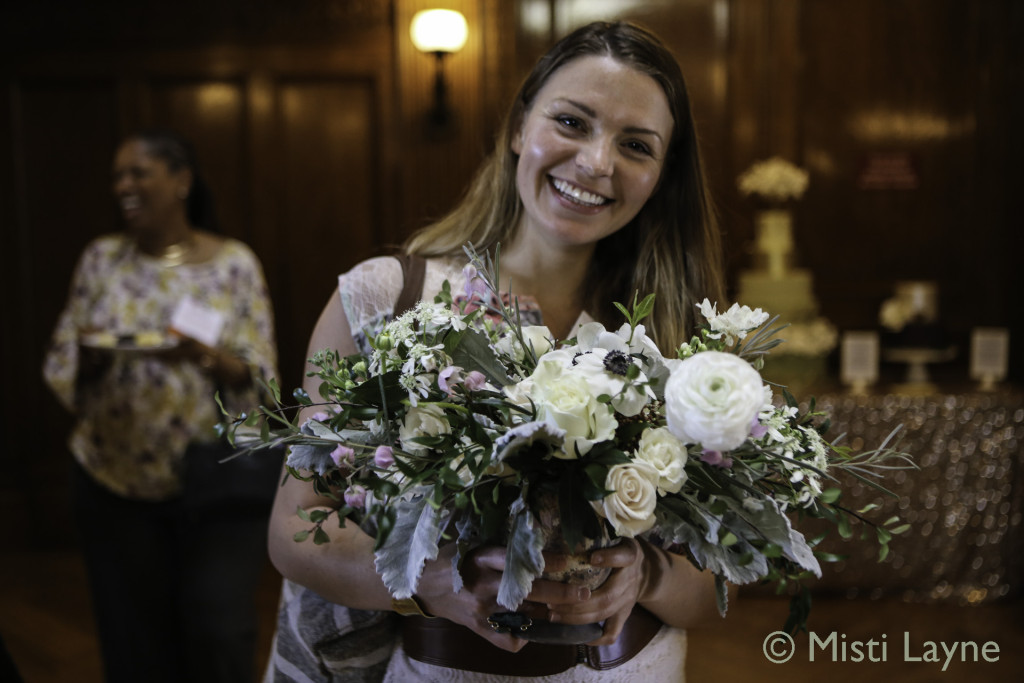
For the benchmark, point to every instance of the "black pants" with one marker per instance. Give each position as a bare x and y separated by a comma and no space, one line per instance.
172,588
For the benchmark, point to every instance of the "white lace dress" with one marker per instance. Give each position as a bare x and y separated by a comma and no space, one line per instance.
319,641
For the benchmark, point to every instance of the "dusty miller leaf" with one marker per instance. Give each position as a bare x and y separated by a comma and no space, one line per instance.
411,543
524,560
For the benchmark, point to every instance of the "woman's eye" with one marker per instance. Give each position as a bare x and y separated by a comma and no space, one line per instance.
570,122
638,147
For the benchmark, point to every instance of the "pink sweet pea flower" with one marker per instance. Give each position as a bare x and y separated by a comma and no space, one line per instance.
448,378
476,289
475,380
343,456
384,457
716,459
355,496
757,430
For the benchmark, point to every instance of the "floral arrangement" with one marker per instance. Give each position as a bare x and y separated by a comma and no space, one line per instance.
816,337
774,179
463,423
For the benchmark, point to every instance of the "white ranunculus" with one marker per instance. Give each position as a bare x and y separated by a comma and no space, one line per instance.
666,454
565,399
712,398
630,505
426,419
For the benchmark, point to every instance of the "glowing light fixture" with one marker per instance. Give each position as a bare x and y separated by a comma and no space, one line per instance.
441,32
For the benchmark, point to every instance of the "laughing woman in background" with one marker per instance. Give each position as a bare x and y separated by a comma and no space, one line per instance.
172,581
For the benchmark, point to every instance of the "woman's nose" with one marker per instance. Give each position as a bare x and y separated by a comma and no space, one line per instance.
120,182
595,157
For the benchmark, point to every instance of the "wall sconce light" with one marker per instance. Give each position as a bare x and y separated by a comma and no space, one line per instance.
442,32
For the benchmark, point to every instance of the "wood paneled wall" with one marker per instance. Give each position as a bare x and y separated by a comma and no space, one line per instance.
308,117
834,85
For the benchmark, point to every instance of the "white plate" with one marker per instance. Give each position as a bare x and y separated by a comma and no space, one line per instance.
129,342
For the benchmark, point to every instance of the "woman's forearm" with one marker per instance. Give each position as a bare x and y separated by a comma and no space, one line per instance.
341,571
675,591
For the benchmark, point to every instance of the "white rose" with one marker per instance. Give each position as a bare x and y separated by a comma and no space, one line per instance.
630,505
423,420
565,399
712,398
539,337
666,454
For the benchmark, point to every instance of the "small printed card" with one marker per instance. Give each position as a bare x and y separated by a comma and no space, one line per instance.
859,364
990,347
195,320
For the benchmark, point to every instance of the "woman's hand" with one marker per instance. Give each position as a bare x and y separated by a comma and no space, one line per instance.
613,601
478,599
224,366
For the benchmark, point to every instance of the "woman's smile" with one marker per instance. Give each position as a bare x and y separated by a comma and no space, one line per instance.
578,196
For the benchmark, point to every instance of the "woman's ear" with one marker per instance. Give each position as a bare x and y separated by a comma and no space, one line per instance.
516,143
184,179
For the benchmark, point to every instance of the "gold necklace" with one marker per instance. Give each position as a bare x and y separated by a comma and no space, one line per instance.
176,254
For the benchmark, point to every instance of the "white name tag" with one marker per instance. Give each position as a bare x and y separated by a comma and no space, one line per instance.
200,322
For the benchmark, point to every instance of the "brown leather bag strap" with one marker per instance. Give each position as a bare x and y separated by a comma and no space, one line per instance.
414,269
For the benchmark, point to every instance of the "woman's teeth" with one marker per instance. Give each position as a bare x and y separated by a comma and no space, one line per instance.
130,202
577,195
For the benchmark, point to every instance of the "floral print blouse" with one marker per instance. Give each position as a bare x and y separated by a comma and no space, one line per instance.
136,419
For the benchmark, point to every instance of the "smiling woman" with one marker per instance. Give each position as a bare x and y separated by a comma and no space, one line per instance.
595,190
178,603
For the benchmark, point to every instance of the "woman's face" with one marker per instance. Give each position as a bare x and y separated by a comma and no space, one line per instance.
149,193
591,150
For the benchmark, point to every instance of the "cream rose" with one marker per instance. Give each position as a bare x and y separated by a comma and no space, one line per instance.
712,398
630,505
667,455
566,400
426,419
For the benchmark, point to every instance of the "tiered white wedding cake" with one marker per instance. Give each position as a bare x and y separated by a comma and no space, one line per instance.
776,285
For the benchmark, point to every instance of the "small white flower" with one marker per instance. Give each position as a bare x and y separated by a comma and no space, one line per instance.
734,324
416,385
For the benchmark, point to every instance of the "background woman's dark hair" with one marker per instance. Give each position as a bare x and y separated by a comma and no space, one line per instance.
178,153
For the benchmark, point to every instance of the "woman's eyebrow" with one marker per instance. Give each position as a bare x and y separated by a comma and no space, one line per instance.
589,111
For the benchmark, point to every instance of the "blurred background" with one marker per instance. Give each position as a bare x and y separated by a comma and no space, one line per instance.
310,118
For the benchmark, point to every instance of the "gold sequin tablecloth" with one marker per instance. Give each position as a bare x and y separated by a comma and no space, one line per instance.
964,505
